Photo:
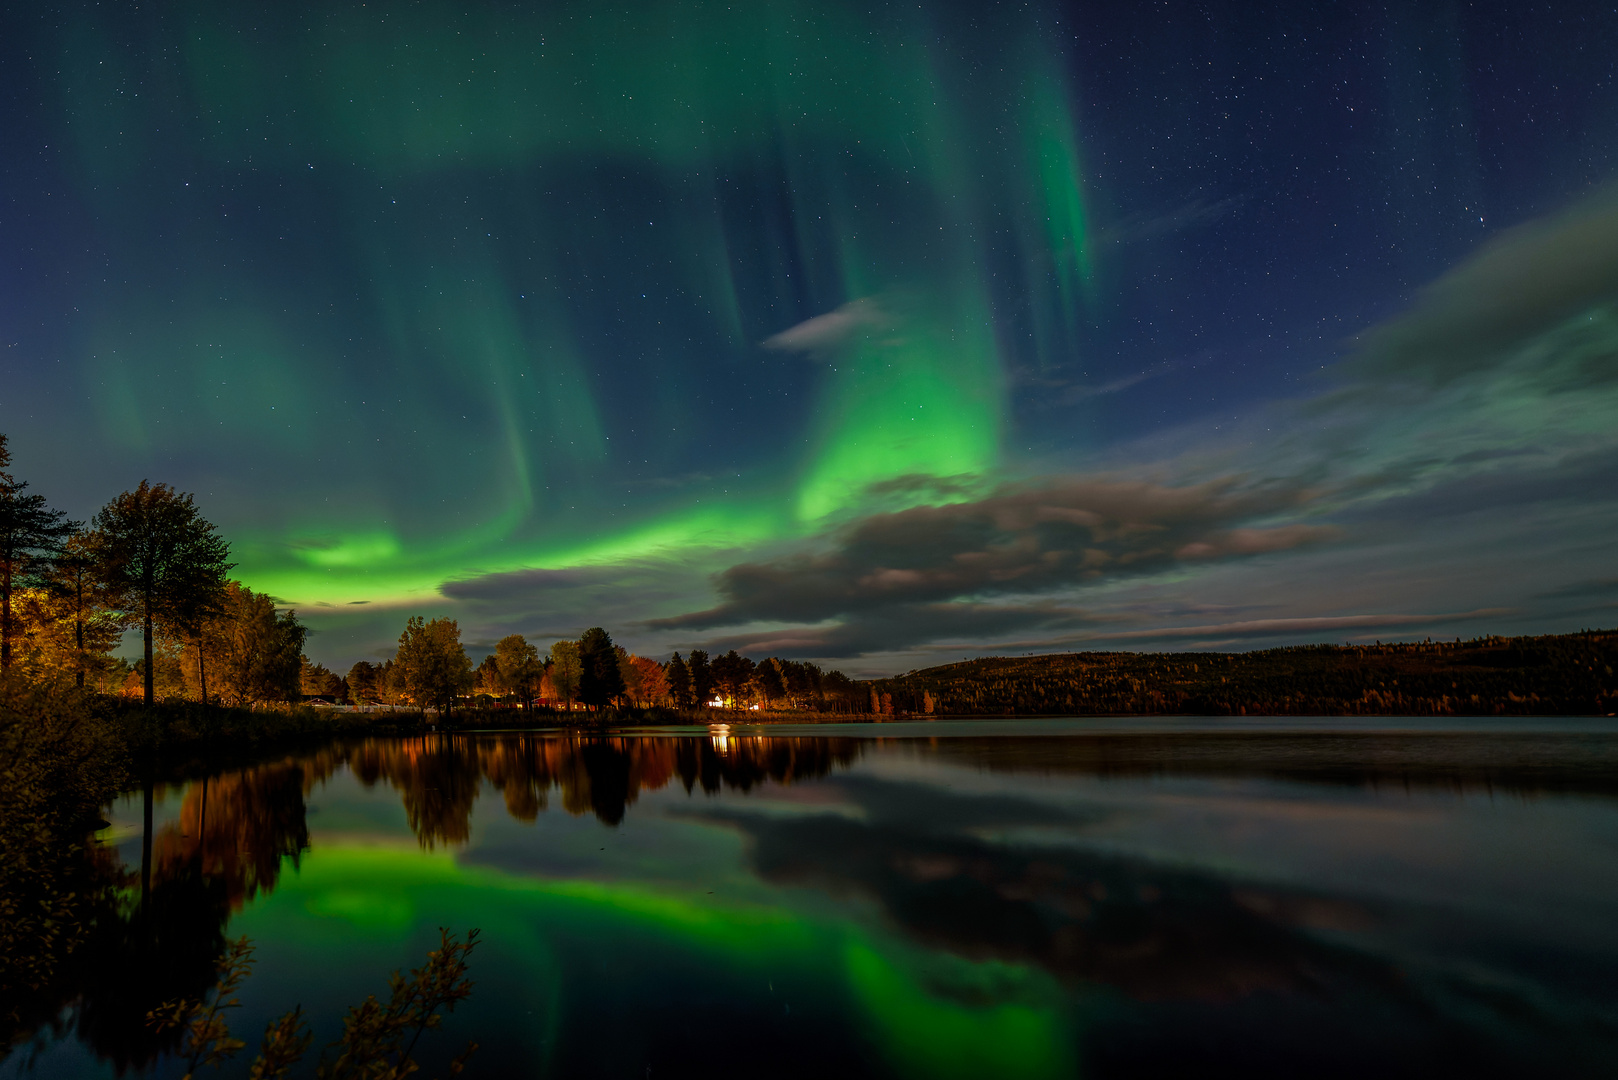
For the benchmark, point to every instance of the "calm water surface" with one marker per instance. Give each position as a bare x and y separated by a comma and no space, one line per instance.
1019,899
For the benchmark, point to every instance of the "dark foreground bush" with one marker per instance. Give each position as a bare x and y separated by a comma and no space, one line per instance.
60,762
378,1041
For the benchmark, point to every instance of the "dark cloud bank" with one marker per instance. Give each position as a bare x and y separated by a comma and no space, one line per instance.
893,580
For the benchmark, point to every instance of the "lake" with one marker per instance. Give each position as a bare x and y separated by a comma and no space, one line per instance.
1038,898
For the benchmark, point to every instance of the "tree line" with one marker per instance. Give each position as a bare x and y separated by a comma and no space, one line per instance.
1563,674
431,669
70,590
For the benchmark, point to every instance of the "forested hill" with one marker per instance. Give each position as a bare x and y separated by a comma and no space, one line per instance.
1568,674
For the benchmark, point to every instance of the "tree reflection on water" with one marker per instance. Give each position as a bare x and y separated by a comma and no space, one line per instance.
439,776
158,929
949,868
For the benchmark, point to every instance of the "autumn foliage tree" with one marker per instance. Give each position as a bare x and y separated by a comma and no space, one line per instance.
361,682
316,680
651,682
519,666
563,673
486,678
249,651
82,609
431,664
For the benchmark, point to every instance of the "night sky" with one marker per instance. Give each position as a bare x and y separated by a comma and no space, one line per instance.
878,334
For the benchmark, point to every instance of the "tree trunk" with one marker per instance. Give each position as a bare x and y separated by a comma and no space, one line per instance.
78,631
202,671
5,618
146,633
146,850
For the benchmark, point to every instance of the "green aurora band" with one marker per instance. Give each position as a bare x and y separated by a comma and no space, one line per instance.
485,292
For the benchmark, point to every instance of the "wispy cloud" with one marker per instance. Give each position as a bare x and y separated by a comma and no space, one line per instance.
833,329
1529,282
1271,627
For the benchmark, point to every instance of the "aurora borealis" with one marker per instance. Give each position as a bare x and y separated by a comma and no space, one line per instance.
874,333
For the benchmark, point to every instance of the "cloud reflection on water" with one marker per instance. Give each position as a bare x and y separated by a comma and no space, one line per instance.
1380,893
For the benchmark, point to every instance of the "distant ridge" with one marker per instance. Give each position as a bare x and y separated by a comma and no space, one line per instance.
1553,675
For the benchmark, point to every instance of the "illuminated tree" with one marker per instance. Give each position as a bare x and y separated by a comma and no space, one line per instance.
564,670
252,652
386,683
486,678
316,681
31,536
83,601
434,665
651,683
734,674
361,682
599,678
159,555
167,675
768,682
194,610
519,666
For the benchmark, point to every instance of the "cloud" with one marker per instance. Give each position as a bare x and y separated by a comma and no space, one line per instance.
900,575
1271,627
920,854
833,329
903,626
926,484
1534,279
1584,590
1575,479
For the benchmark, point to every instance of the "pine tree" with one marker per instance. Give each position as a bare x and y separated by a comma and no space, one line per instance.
31,537
701,676
679,679
600,681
